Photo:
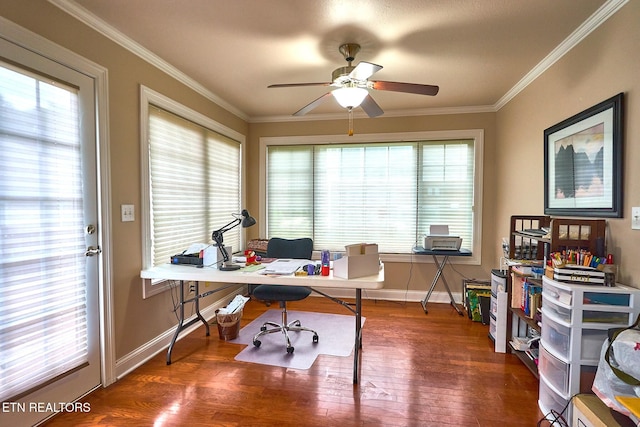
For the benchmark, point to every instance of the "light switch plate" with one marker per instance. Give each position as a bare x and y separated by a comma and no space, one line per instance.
127,213
635,218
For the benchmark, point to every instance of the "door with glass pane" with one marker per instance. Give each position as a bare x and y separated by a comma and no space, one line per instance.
49,237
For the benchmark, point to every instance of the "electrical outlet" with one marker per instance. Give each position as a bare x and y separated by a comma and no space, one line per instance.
635,218
127,212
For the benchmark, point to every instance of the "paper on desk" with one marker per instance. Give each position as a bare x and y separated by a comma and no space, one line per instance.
252,268
195,248
284,267
234,306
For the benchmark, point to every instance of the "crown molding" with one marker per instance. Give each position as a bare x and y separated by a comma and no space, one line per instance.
361,115
605,11
608,9
97,24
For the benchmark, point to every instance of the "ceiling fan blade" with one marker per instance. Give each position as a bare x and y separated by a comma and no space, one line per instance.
299,84
313,104
364,70
371,107
405,87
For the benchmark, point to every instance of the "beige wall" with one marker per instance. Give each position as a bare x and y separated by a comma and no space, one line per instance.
137,321
604,64
607,62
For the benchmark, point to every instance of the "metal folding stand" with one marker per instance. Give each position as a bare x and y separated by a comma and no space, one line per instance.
438,275
445,254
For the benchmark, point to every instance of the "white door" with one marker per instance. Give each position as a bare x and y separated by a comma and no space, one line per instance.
49,237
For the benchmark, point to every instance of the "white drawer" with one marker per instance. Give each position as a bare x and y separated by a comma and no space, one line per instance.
554,370
555,336
552,307
608,317
494,305
591,344
554,293
607,298
492,327
549,399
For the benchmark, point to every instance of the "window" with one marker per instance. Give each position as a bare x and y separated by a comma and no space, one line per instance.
386,189
191,168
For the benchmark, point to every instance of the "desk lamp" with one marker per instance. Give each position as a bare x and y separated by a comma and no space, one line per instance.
242,218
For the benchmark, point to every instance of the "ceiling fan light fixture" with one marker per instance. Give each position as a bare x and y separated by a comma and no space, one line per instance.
350,97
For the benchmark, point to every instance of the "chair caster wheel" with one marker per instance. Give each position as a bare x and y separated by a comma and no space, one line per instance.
290,350
315,339
257,343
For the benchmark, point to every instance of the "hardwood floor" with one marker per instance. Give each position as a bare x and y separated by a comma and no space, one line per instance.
417,369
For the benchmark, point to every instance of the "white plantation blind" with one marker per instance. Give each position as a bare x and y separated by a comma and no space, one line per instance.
194,183
43,325
446,188
290,187
388,193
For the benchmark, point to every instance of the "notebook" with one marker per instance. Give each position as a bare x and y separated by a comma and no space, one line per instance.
631,403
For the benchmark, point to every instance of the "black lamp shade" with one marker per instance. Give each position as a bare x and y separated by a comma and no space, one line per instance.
247,220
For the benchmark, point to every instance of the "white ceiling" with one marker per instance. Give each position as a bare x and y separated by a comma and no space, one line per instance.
480,52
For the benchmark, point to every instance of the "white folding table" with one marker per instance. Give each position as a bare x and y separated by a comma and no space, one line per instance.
226,279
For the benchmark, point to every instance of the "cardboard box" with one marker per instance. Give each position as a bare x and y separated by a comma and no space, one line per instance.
361,260
548,271
361,249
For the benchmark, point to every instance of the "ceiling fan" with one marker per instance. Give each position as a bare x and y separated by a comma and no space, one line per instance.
351,84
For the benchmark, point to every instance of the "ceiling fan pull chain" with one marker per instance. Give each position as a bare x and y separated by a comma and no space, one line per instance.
350,121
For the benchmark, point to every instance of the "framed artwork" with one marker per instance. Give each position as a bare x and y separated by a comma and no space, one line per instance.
583,163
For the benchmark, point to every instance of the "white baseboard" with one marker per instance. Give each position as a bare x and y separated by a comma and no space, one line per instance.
392,295
131,361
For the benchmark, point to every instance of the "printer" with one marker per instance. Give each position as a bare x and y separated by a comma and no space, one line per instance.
439,239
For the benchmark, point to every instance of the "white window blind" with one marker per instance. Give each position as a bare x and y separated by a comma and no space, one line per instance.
446,188
388,193
194,184
43,325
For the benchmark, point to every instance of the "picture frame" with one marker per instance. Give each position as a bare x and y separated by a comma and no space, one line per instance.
583,163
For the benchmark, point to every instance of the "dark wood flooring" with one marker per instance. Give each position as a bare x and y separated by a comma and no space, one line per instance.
417,369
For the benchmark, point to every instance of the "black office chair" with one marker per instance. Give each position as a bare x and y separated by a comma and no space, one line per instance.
285,248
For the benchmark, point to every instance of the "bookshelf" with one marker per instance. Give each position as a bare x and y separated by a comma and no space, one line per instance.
528,246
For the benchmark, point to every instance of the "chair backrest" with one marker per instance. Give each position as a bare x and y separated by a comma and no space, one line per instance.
290,248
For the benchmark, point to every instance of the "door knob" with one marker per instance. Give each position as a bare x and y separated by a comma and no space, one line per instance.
91,251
